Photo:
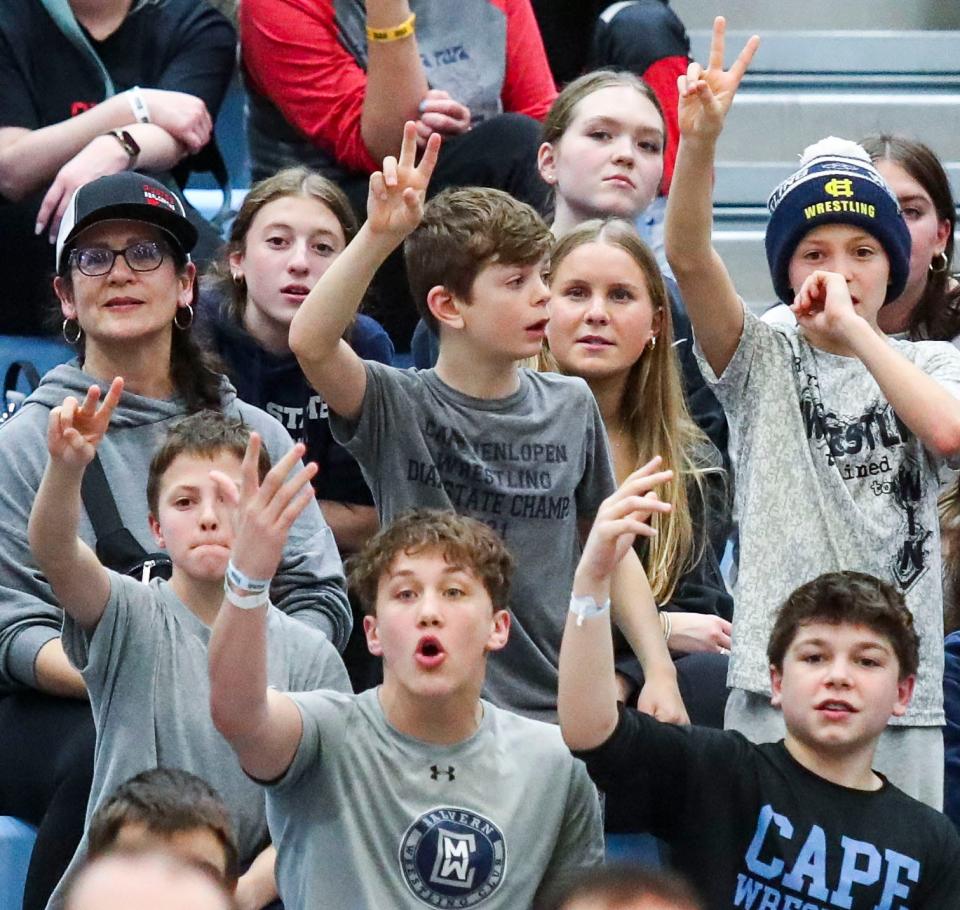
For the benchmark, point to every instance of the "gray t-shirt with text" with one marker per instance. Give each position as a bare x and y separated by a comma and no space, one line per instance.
829,478
529,465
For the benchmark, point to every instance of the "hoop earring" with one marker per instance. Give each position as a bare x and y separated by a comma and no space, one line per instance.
653,342
183,326
66,337
238,279
943,263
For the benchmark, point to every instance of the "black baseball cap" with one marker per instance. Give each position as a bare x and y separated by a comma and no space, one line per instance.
127,195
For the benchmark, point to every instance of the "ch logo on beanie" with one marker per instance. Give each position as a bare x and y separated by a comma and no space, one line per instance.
839,186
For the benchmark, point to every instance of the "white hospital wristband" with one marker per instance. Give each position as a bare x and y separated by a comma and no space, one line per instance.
139,104
245,601
584,606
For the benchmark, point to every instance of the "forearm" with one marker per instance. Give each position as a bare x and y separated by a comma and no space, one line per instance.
396,82
708,294
587,693
318,326
238,671
352,525
159,151
31,160
55,675
634,611
55,520
257,887
921,402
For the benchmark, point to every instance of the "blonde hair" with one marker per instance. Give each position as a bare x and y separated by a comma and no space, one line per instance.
654,414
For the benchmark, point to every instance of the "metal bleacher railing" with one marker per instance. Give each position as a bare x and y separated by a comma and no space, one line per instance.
804,85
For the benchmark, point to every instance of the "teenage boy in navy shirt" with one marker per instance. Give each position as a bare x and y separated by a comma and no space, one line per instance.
801,824
522,451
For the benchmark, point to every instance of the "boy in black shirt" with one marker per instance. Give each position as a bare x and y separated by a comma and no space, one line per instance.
802,824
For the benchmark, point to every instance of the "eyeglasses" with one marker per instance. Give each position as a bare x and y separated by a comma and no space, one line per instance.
145,256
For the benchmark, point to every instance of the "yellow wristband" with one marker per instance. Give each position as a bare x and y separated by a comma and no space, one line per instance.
403,30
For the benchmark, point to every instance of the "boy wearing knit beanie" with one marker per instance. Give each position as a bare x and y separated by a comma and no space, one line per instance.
838,431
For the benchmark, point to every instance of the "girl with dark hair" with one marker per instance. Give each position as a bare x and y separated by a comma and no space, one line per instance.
126,288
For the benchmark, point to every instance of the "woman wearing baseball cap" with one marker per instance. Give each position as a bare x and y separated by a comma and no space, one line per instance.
126,287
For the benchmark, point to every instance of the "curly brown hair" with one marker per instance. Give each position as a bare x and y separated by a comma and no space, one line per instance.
462,541
849,598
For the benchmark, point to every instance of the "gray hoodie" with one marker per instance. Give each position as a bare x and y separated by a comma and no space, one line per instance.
308,585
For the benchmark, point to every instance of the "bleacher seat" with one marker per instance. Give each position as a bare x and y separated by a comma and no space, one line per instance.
16,843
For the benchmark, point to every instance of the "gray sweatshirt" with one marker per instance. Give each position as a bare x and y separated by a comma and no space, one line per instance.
308,585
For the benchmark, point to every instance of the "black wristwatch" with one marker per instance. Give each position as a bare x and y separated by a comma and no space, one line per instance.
128,142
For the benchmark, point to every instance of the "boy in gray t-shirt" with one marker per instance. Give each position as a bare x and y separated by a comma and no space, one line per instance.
837,431
522,452
142,648
417,793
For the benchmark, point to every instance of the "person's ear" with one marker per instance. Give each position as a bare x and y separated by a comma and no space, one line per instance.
776,687
499,630
444,306
943,233
656,324
373,636
547,163
236,265
905,689
157,532
186,279
64,292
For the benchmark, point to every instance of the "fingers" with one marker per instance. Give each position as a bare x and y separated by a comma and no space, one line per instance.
89,406
743,60
717,42
226,487
429,160
408,148
390,169
378,186
249,468
50,205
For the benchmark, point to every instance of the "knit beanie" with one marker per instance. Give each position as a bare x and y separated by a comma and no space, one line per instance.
836,184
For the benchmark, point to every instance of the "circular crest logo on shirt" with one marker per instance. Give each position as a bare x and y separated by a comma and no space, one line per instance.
452,857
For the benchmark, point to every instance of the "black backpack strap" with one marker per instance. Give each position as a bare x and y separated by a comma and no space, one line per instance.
99,502
15,370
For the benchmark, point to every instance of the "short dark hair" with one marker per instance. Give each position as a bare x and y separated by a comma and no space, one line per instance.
853,598
462,231
204,434
166,801
462,541
620,885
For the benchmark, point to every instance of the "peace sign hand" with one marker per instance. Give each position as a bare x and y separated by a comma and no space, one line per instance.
74,430
706,94
396,196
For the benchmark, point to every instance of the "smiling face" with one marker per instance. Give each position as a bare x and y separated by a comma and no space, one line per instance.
193,521
291,242
601,315
433,626
928,232
838,687
852,253
125,305
609,160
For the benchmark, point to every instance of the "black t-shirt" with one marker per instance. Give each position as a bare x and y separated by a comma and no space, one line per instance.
753,829
179,45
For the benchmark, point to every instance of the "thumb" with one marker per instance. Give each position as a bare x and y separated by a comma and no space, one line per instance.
226,487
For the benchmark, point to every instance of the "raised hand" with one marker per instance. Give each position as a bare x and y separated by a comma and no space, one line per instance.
824,308
396,196
621,518
74,430
706,94
265,512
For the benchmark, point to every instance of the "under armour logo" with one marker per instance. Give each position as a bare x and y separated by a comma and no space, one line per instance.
436,771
